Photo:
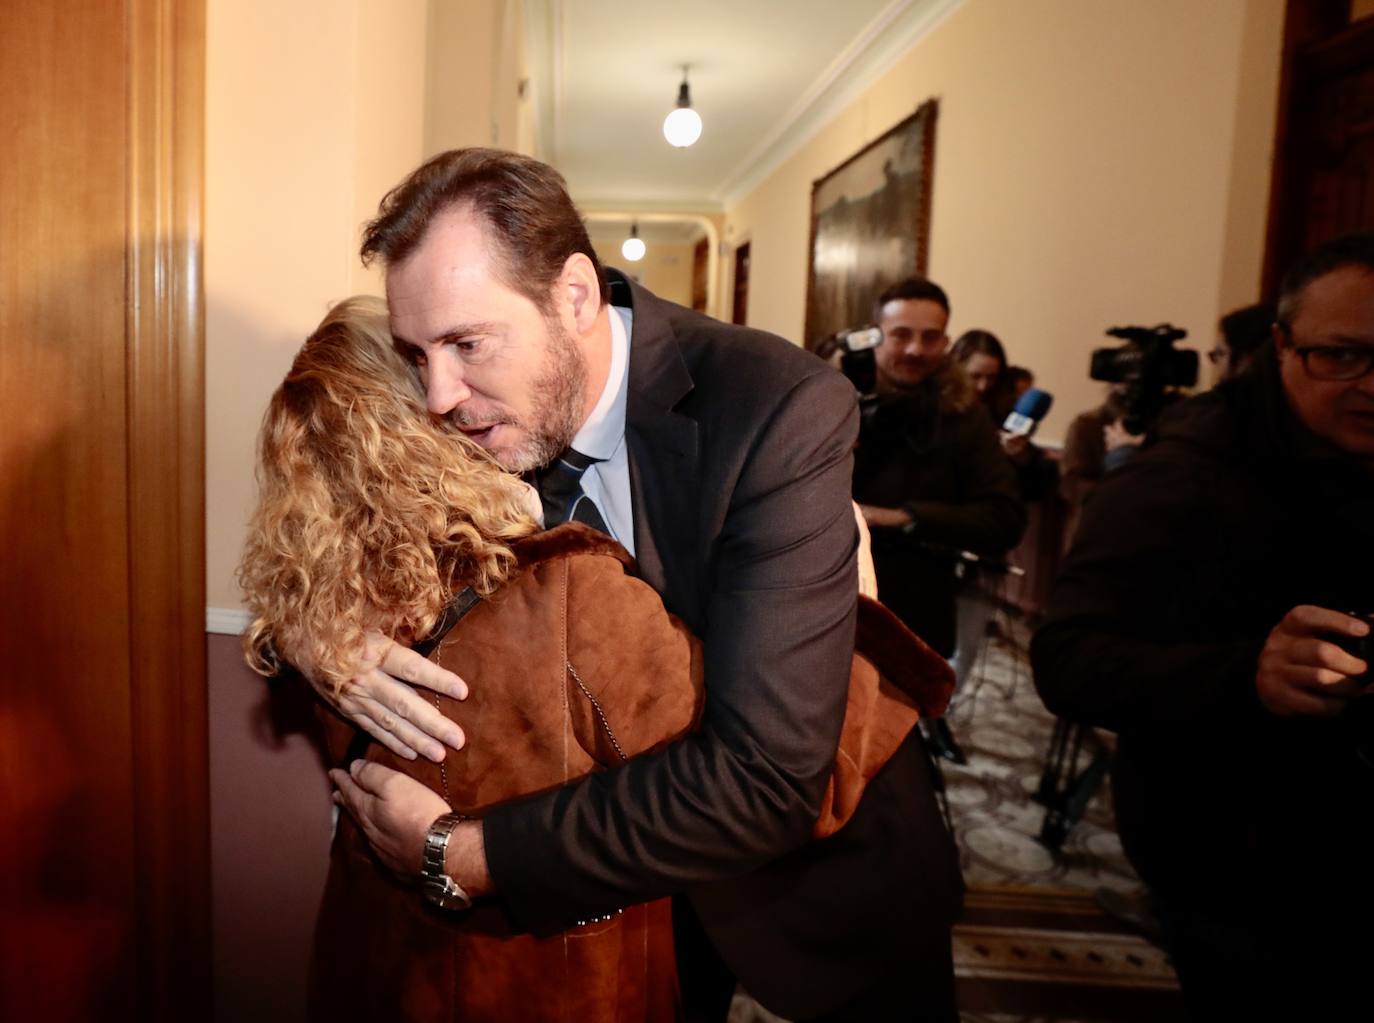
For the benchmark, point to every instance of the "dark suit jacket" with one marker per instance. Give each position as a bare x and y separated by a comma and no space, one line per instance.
740,451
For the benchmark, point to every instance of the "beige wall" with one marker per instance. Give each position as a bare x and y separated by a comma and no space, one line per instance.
314,110
666,268
1097,162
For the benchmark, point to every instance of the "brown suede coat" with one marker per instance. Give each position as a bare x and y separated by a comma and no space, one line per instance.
580,668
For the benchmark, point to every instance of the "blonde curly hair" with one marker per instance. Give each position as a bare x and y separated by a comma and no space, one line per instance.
371,513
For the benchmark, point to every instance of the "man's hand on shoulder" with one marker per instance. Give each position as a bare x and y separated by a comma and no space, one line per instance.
1301,671
378,700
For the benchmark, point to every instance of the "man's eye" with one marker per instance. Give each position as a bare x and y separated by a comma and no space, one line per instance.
468,345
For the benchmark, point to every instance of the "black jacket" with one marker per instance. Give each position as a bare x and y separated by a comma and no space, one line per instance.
1185,560
740,458
945,465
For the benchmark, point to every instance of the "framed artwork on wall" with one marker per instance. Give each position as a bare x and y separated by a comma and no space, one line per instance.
870,225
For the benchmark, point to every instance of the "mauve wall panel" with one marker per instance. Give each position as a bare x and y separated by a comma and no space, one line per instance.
269,832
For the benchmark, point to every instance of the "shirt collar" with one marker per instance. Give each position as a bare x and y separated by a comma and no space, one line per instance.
604,429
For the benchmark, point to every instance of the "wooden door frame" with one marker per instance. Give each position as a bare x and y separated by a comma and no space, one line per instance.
1305,22
165,325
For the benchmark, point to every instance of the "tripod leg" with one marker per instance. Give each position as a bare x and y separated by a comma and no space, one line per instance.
1048,790
1084,788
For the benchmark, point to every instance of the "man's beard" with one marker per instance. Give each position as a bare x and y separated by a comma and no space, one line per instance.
557,395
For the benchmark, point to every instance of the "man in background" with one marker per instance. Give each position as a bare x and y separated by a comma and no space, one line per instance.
930,475
1209,613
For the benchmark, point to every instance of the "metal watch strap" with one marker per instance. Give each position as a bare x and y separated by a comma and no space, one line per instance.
439,887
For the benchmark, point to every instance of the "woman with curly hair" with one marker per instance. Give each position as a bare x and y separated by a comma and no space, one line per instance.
373,515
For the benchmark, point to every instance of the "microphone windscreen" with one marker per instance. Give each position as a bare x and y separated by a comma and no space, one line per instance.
1035,404
1030,408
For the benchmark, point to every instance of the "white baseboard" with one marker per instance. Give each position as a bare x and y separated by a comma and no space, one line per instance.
226,621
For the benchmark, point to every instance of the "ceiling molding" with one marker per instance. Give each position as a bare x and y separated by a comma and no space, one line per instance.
874,52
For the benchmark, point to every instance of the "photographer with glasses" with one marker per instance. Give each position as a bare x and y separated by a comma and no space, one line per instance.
1214,613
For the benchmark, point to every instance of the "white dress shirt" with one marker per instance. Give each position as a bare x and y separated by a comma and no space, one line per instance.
607,482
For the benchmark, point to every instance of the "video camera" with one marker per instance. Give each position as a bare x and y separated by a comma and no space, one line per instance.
1144,367
856,355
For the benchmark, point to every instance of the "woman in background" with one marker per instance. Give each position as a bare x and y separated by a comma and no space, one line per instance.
984,361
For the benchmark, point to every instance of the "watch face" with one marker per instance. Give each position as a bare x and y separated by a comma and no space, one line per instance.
445,892
456,898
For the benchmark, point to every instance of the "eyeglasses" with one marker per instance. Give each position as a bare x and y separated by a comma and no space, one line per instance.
1336,362
1333,362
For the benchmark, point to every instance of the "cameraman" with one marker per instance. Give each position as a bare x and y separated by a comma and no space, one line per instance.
1198,615
929,473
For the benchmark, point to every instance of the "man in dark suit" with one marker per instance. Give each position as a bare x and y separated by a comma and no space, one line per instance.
721,457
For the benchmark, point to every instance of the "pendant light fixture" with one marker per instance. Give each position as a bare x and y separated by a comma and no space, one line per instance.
682,126
633,247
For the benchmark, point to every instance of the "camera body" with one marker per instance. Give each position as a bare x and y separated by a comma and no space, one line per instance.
1143,369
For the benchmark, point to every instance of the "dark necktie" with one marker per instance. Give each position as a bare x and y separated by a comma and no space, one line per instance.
561,494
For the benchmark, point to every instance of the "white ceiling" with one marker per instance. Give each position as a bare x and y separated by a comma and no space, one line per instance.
671,232
765,74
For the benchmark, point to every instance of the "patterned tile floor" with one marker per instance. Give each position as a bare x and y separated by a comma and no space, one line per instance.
1006,731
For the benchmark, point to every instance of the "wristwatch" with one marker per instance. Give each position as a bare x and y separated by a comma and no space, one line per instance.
439,888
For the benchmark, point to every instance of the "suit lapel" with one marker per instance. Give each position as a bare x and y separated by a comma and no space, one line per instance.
663,451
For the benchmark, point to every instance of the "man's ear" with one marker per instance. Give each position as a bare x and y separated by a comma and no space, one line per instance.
580,291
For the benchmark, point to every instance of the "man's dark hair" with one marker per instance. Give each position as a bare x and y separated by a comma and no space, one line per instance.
1355,250
912,289
524,203
1248,328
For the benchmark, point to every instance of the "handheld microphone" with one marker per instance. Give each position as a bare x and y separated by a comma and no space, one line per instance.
1030,408
860,340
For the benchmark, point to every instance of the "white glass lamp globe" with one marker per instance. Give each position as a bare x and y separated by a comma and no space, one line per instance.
682,127
633,249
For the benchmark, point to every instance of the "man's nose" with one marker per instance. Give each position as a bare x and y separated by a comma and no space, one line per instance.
445,388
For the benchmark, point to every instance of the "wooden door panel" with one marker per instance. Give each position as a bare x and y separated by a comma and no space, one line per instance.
1323,183
84,757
